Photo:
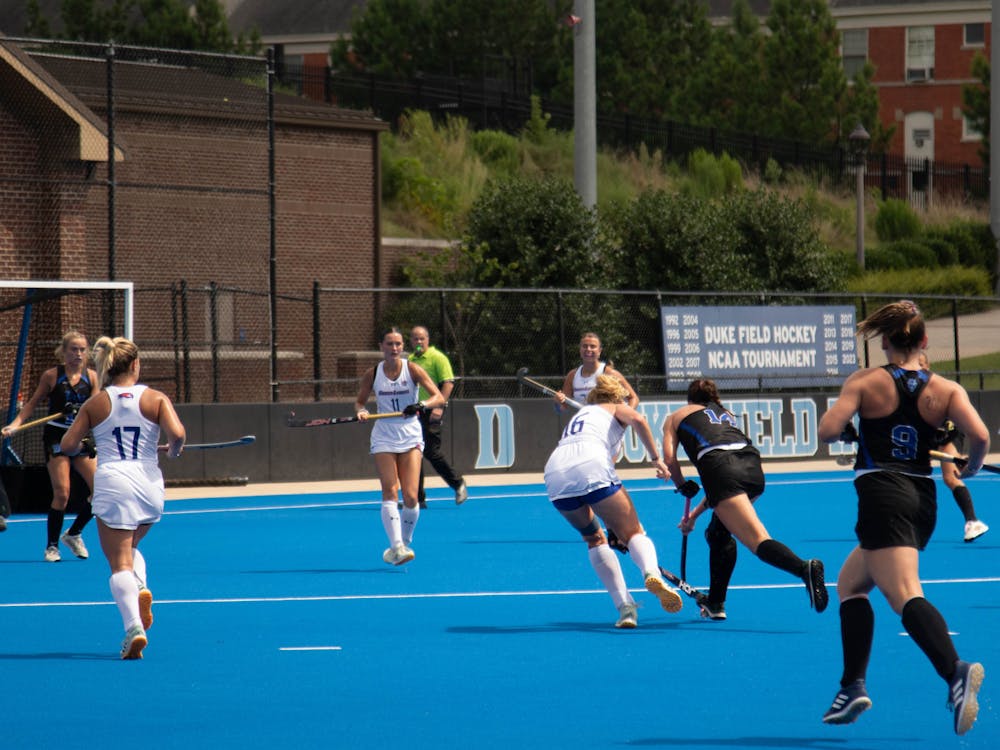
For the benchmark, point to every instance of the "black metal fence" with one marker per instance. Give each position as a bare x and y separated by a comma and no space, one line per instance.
497,105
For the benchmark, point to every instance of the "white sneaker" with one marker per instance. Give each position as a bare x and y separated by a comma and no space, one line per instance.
52,554
670,600
135,641
398,555
75,544
462,493
974,530
627,616
146,607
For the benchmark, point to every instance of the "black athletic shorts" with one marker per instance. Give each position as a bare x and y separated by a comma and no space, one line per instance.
52,436
725,474
895,510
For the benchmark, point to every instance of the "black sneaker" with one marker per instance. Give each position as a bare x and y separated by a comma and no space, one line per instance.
816,585
962,694
712,611
849,703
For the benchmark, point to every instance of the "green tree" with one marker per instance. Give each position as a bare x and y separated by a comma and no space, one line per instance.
976,104
647,50
725,90
388,37
174,24
860,104
804,78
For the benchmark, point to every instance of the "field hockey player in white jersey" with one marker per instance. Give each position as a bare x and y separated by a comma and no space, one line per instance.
581,380
126,420
581,481
397,442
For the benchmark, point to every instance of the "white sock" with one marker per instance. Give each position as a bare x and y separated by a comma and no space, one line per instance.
125,592
409,523
605,564
390,522
139,567
643,553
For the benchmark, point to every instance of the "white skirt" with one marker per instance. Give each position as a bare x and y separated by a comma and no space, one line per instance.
128,494
397,435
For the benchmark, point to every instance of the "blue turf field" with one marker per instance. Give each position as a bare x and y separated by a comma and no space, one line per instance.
279,626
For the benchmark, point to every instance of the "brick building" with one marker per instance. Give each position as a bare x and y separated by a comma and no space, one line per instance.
191,204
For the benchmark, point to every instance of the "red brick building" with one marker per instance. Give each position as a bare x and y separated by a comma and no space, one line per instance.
191,204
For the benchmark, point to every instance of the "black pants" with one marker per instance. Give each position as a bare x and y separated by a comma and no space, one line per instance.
432,452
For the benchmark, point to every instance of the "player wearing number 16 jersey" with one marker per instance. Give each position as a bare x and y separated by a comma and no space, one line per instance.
581,481
126,419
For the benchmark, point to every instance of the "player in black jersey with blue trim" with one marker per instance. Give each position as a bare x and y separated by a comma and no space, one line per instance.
730,470
68,384
900,407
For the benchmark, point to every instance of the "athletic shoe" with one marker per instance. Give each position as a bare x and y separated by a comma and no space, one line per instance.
422,504
135,641
462,493
52,554
849,703
627,618
3,523
75,544
816,585
398,555
670,600
711,611
146,607
962,694
974,530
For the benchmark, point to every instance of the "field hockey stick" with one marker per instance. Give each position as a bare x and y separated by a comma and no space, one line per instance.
324,421
67,410
684,537
961,462
699,596
245,440
522,377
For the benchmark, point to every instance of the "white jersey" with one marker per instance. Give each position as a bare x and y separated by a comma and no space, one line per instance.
395,434
582,385
583,461
128,485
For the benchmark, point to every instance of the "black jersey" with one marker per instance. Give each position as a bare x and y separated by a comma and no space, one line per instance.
901,440
707,428
63,393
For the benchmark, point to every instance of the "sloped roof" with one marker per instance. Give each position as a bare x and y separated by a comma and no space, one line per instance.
41,96
145,86
322,17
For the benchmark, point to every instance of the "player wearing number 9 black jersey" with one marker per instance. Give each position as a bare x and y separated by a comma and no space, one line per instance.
900,407
126,419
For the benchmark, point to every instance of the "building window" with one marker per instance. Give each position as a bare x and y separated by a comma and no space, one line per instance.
975,35
854,51
919,53
969,133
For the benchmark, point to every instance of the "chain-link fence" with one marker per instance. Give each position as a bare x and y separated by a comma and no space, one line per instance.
490,333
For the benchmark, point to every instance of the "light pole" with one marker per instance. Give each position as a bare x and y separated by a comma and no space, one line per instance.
859,139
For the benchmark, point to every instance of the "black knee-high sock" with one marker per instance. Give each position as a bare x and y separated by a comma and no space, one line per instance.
777,554
55,524
964,499
929,631
82,518
857,629
721,563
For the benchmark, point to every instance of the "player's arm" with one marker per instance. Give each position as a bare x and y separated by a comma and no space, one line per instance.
72,441
436,399
632,399
967,420
640,425
45,385
364,392
833,423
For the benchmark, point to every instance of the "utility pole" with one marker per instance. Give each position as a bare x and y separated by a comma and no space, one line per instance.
585,101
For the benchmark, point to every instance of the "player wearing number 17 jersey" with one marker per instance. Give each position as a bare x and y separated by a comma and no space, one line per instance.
126,419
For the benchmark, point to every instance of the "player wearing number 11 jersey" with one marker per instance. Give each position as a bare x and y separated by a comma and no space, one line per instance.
126,419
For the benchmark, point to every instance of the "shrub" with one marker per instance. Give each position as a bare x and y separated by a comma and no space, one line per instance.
914,253
498,150
710,176
954,281
895,220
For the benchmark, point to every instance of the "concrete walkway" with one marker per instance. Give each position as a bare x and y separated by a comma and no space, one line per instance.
977,334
